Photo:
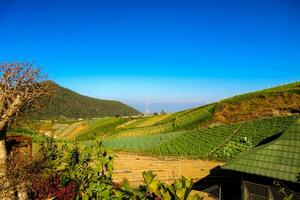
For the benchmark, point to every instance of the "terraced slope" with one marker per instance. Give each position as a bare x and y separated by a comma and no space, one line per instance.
82,130
143,121
154,120
152,130
218,142
198,115
164,123
219,130
278,101
99,128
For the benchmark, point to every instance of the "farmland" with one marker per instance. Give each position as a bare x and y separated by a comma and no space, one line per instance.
218,142
187,143
130,166
177,138
217,131
150,100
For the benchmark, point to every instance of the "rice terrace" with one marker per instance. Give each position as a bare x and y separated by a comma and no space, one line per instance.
150,100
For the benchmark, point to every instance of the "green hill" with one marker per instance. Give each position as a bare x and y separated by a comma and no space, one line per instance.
220,130
219,142
278,101
69,104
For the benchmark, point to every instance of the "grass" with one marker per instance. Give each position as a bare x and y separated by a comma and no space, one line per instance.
292,87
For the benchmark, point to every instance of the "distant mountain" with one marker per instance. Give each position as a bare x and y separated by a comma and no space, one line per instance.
69,104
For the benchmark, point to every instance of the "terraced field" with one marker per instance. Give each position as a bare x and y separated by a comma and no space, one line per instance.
164,123
141,143
82,130
67,131
152,130
176,138
143,121
100,128
197,115
153,120
219,142
197,132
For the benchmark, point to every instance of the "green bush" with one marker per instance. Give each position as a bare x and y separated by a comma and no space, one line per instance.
91,168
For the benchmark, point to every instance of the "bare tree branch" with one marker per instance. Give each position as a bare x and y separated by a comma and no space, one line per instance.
21,86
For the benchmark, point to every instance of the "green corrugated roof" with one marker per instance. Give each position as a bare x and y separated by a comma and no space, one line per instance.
279,159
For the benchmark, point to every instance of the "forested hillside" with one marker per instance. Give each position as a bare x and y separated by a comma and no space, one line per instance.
69,104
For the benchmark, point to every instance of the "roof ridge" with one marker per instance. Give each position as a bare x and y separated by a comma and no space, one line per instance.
273,169
278,156
273,162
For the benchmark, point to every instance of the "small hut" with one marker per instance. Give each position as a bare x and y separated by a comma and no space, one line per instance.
19,146
267,172
271,171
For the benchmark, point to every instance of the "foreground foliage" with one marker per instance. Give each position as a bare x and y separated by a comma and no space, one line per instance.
67,171
179,190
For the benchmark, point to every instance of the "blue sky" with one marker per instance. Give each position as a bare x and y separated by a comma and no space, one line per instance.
178,54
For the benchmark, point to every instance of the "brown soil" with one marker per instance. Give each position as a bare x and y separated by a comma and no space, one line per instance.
261,106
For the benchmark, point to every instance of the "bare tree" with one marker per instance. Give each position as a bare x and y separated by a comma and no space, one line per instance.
21,85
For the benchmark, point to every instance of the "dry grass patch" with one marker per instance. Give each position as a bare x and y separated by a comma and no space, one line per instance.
130,166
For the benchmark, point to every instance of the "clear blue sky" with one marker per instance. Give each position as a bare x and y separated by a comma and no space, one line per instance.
176,53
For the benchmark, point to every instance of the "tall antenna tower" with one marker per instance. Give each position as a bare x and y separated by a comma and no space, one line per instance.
147,112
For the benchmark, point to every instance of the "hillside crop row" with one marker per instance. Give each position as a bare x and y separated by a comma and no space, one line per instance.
218,142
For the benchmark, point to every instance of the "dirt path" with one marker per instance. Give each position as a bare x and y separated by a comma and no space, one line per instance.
130,166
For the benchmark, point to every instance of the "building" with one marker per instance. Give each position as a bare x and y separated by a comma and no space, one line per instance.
268,172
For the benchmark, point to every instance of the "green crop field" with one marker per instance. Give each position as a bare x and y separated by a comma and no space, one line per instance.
133,123
153,120
143,122
163,123
203,132
99,127
173,116
197,115
140,143
219,142
151,130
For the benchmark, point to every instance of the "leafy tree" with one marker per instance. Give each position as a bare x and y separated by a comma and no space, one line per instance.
21,85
